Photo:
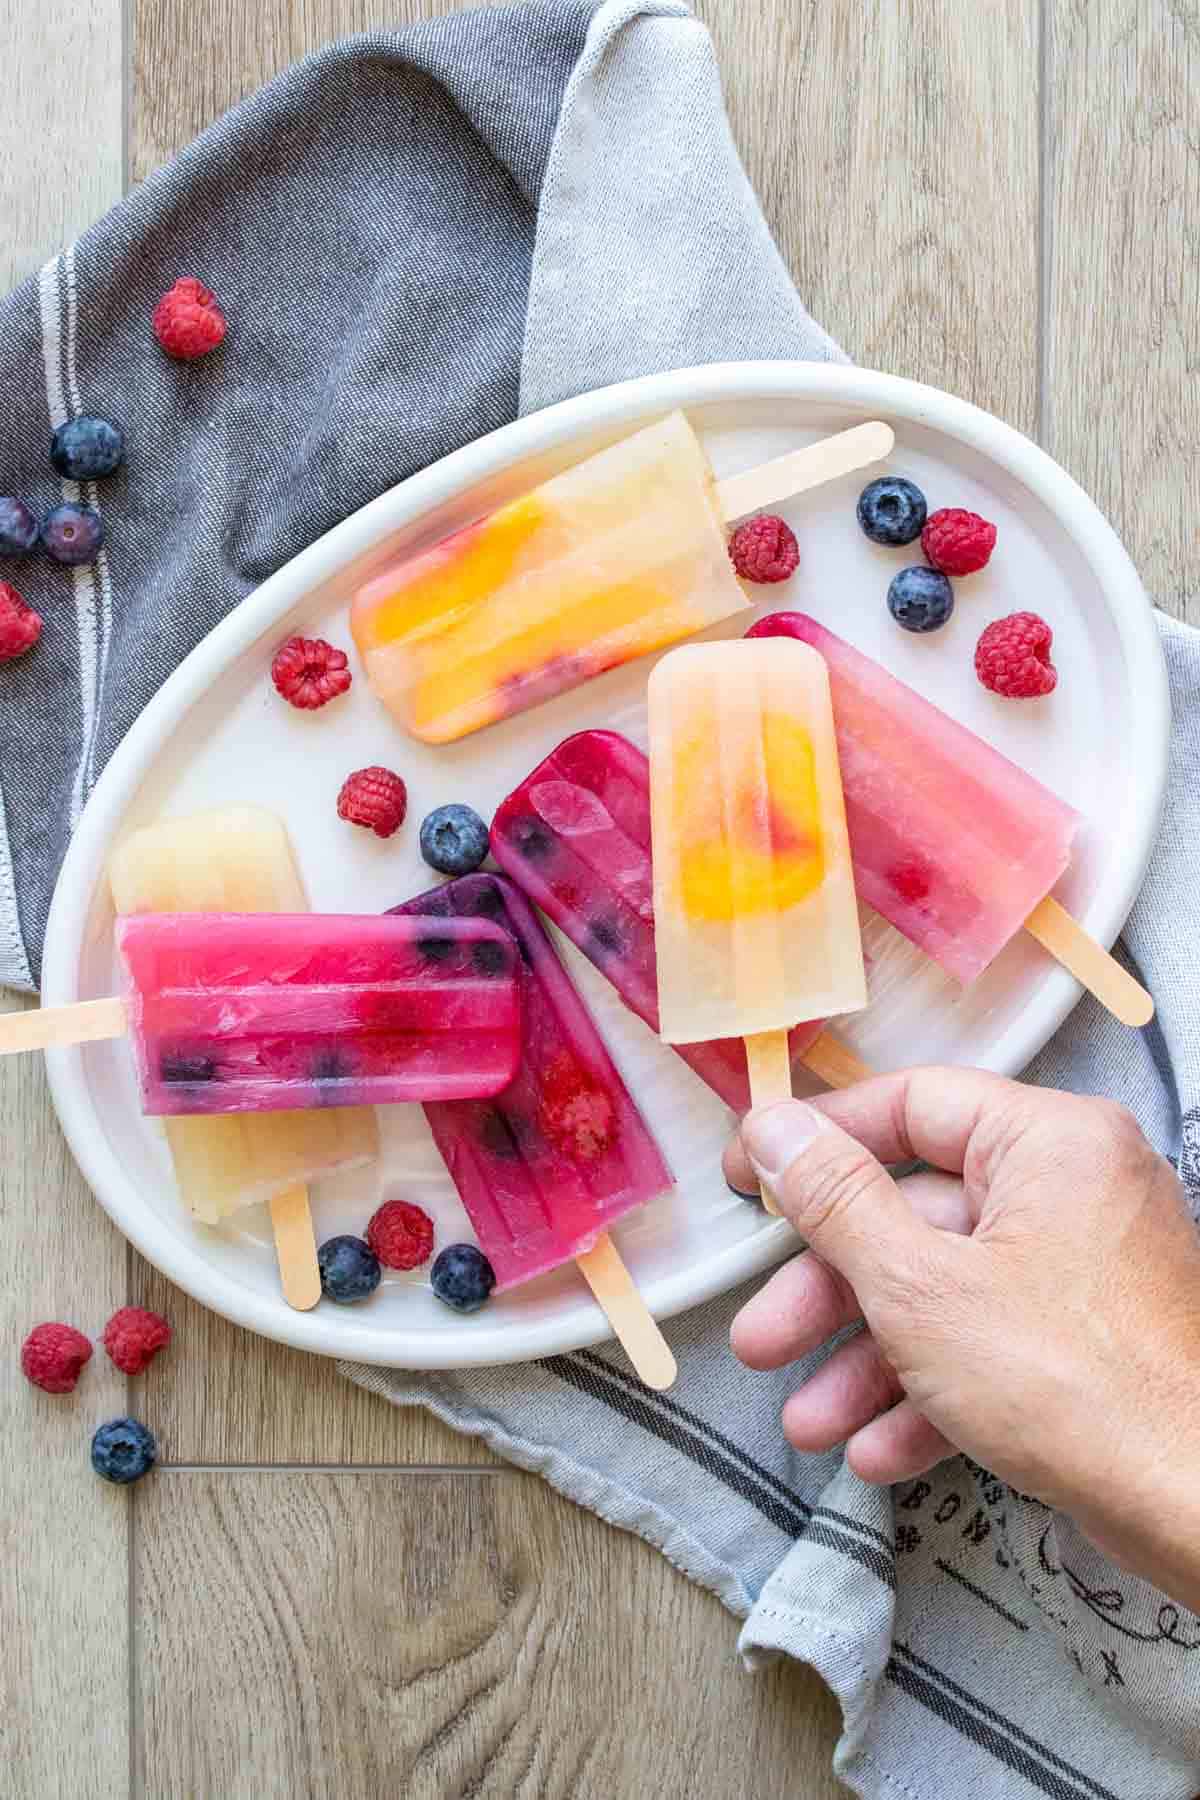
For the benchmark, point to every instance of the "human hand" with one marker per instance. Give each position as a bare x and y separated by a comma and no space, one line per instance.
1041,1314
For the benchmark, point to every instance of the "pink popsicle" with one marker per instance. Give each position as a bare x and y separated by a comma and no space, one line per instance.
576,837
563,1153
951,842
266,1012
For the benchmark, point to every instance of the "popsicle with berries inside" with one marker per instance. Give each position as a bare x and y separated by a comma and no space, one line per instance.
266,1012
575,836
239,859
548,1166
756,923
618,556
953,844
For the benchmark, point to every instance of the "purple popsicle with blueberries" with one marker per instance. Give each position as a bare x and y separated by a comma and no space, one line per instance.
267,1012
576,837
547,1166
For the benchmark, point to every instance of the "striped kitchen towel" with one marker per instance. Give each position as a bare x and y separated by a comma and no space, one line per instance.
418,235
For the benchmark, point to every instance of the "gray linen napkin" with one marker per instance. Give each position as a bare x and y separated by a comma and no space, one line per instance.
474,218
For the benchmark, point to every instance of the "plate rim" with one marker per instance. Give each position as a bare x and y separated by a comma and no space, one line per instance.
580,1322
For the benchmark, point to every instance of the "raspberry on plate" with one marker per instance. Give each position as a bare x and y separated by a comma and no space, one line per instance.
958,542
764,549
188,323
20,626
401,1235
1012,657
133,1337
374,798
309,673
52,1356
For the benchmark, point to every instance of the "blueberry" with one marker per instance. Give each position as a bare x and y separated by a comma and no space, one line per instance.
123,1451
605,937
330,1065
454,840
490,959
532,839
920,599
436,949
485,901
85,448
349,1269
19,527
73,534
498,1135
892,510
463,1277
175,1066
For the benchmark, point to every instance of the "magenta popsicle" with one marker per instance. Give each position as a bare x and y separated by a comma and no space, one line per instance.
576,837
254,1012
546,1167
951,842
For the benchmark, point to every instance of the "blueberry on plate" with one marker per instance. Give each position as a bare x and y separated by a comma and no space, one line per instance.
123,1451
73,534
349,1268
19,528
463,1277
920,599
87,448
454,840
892,510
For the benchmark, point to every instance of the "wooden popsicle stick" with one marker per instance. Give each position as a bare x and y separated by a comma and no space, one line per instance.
769,1062
634,1325
799,470
835,1063
49,1027
296,1248
1091,965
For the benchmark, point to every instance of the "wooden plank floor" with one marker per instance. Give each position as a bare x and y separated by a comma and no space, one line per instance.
321,1595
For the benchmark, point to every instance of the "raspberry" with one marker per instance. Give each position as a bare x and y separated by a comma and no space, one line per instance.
764,549
401,1235
1013,657
53,1355
187,320
958,542
133,1337
375,798
576,1113
20,626
308,672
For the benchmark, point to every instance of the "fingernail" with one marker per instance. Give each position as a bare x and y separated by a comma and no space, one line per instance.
778,1134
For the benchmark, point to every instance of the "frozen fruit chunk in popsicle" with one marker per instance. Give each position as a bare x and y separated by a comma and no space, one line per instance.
952,843
263,1012
236,859
611,559
575,836
563,1153
755,914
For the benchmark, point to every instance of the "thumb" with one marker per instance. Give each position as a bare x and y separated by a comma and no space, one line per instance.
835,1193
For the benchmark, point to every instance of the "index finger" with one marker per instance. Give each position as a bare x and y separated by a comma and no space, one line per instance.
916,1115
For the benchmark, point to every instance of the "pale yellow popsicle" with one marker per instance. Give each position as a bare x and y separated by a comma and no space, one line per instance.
755,916
235,860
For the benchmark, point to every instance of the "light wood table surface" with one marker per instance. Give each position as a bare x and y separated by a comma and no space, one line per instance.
318,1595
